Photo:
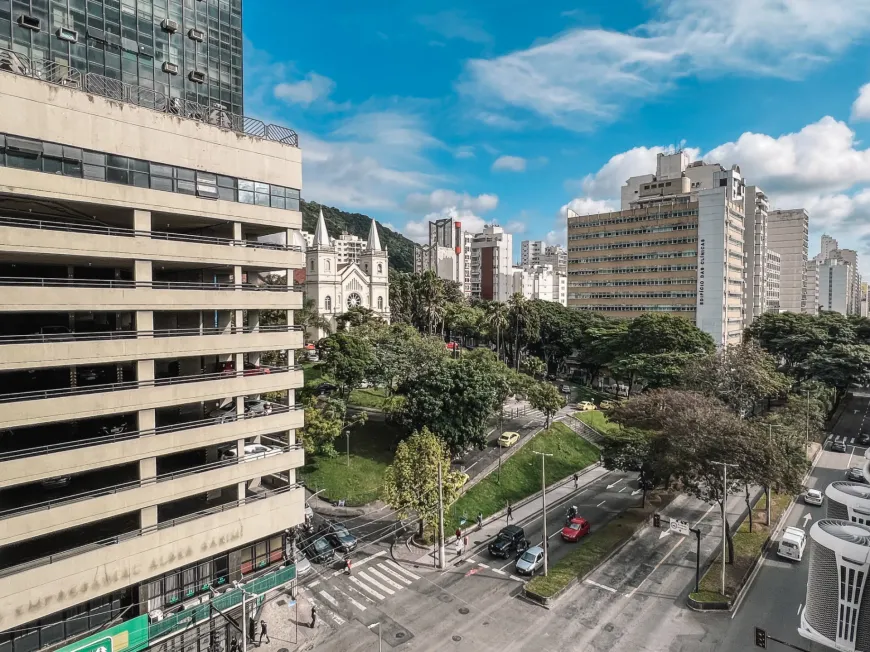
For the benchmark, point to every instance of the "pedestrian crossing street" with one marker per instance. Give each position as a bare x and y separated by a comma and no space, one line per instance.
849,440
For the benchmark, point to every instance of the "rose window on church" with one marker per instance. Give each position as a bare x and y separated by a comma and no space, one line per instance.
354,300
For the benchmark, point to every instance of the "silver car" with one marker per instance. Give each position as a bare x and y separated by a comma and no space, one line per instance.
813,497
530,561
303,566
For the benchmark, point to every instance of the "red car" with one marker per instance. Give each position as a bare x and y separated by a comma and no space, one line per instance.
228,368
578,527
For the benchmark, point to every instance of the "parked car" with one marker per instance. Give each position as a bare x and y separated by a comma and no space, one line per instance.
576,529
93,376
508,439
252,452
814,497
855,474
55,483
792,544
325,388
607,404
320,551
863,439
509,542
838,446
303,566
229,368
586,406
253,406
646,483
116,427
530,561
565,389
340,538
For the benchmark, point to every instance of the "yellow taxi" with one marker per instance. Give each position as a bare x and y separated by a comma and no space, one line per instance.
508,439
585,406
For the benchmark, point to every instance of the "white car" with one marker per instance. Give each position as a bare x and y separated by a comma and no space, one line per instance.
814,497
303,566
252,452
793,543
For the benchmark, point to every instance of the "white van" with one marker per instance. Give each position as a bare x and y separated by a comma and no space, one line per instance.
792,544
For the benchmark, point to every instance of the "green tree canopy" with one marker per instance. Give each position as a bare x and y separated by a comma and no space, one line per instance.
348,357
546,398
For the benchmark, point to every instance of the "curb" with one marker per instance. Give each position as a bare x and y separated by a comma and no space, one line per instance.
702,607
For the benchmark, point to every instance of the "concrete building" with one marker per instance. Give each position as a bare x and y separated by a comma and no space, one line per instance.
835,283
677,247
557,257
829,244
530,252
139,466
850,257
865,306
755,250
541,282
535,252
336,287
788,233
812,283
447,253
773,269
491,263
186,51
349,248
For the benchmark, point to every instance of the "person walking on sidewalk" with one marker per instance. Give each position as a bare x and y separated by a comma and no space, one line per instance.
264,633
458,548
510,513
458,534
347,565
576,481
479,520
234,645
313,616
252,630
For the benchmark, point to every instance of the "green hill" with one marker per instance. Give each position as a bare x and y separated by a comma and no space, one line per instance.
338,221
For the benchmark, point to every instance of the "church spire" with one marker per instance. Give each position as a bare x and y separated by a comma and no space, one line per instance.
321,237
374,243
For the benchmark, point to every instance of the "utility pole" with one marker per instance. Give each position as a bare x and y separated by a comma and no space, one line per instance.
770,427
808,417
440,517
725,466
544,457
347,437
500,433
697,533
245,595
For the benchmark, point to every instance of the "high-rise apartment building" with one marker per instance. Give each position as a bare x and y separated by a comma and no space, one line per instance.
535,252
755,249
829,244
813,288
491,263
850,257
676,247
541,282
773,268
148,449
530,252
835,283
788,233
447,253
172,51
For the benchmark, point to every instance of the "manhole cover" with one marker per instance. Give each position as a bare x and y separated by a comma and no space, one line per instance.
457,638
485,623
463,611
445,598
399,635
608,627
283,649
281,603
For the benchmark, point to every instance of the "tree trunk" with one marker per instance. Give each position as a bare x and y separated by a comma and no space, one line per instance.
517,350
420,531
497,342
749,507
767,491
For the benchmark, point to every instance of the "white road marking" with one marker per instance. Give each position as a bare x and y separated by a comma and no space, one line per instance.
601,503
518,579
356,604
355,564
501,568
366,588
328,597
554,534
601,586
362,595
799,608
482,565
498,570
393,573
338,619
849,463
313,584
623,489
656,567
401,570
378,585
386,579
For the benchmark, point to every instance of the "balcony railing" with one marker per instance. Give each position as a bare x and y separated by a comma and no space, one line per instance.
127,284
126,435
50,338
113,89
38,394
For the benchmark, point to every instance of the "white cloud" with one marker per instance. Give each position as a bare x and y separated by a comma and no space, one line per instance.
498,120
515,227
557,237
306,92
586,76
455,25
418,230
861,105
464,151
509,164
442,199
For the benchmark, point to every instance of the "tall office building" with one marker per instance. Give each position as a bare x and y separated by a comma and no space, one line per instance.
177,49
835,283
676,247
541,282
148,448
788,233
829,244
850,257
813,287
773,268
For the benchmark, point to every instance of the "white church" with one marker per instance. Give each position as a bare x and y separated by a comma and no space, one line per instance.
335,288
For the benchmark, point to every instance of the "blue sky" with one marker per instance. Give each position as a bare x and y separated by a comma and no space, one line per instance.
510,111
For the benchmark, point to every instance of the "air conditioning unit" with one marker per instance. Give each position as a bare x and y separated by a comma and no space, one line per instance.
196,76
65,34
171,68
196,35
837,585
190,604
169,25
849,501
155,616
28,21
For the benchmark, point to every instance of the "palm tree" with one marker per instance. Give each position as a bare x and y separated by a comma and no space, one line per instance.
430,298
523,317
497,319
310,319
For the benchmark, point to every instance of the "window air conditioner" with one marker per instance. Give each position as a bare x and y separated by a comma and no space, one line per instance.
155,616
196,35
169,25
30,22
196,76
171,68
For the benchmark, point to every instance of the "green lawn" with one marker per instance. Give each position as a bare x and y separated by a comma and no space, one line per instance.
747,547
311,371
521,474
593,548
370,397
362,482
598,420
584,393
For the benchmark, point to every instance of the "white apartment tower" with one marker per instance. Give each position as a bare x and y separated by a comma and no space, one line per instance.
773,269
835,283
491,262
788,234
447,253
530,252
755,249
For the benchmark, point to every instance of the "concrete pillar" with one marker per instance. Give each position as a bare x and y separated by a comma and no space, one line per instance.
147,469
225,320
253,320
239,320
237,274
144,322
147,420
144,370
237,231
142,270
142,220
242,491
148,516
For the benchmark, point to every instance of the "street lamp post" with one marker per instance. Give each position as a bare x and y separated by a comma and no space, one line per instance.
770,427
725,466
347,437
245,595
544,457
808,417
440,518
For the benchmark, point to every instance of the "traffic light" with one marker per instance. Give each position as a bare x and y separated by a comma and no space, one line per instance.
657,520
760,637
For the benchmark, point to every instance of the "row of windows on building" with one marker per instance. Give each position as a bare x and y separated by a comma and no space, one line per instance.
652,269
353,301
622,232
628,308
634,295
53,158
636,282
631,219
635,245
606,259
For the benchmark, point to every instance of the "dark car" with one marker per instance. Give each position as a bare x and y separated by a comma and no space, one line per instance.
325,388
838,446
320,551
510,542
646,483
863,439
340,538
855,474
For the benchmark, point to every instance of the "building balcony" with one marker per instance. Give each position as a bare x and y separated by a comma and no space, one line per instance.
27,294
111,243
50,584
73,403
71,349
107,449
38,518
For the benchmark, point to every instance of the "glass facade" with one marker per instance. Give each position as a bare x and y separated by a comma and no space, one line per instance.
130,40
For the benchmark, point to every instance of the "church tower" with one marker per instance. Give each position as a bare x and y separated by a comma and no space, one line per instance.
321,274
374,263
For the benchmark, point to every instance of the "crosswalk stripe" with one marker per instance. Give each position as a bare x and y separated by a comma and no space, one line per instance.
384,578
378,585
357,564
338,619
518,579
356,604
401,570
393,573
366,588
326,596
